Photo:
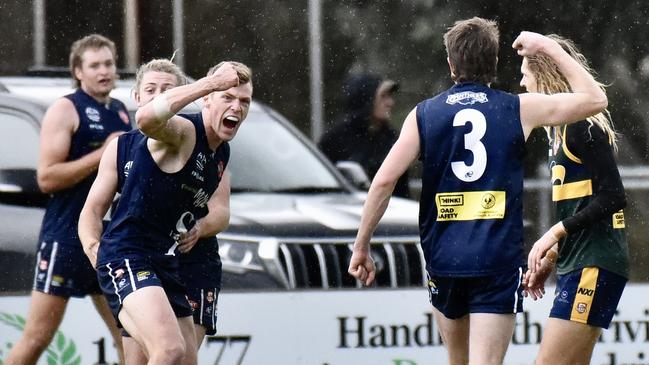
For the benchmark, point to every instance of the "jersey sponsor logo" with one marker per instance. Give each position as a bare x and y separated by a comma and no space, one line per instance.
618,220
198,176
93,114
96,126
57,280
470,205
201,160
466,98
127,168
143,275
585,291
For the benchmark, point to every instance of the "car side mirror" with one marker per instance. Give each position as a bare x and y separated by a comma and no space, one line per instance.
354,173
20,187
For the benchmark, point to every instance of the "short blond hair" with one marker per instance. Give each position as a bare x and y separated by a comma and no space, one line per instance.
160,65
92,41
244,72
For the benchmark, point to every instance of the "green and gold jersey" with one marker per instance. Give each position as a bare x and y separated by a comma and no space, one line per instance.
602,243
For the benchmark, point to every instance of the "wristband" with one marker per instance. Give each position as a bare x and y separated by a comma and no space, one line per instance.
161,108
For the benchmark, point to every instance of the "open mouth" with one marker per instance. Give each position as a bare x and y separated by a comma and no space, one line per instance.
230,121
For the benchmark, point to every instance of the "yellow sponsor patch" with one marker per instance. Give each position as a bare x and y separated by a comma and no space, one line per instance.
618,219
584,296
470,205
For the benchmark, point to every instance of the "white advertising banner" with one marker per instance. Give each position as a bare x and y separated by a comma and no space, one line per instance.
378,327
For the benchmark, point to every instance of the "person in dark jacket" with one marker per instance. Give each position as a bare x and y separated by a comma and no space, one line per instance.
363,134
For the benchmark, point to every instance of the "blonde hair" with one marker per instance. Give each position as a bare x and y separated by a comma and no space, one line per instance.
160,65
244,72
550,80
92,41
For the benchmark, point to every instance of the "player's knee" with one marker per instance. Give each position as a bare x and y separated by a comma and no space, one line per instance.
37,340
171,353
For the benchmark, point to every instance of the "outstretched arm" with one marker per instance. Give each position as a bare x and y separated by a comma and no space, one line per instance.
98,202
404,151
587,97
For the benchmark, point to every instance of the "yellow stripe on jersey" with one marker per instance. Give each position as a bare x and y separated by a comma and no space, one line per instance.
470,205
618,219
577,189
585,294
564,147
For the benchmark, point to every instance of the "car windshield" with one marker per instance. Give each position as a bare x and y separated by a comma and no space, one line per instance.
266,156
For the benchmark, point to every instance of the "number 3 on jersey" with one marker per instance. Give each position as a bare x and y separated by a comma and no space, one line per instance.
472,143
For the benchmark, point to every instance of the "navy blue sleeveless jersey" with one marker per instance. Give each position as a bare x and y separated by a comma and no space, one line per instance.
155,206
96,122
472,148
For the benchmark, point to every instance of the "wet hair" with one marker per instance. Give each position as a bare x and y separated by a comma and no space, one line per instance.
92,41
160,65
244,72
550,80
472,49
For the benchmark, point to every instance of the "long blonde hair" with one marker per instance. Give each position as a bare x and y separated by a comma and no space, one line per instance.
549,80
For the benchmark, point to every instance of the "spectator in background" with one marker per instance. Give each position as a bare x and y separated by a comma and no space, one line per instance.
74,133
363,134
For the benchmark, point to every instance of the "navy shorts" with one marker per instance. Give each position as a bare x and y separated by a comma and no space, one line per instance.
203,284
63,269
588,296
456,297
120,278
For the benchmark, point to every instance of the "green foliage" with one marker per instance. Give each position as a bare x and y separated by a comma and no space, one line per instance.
62,351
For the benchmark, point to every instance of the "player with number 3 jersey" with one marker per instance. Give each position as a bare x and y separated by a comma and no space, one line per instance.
470,140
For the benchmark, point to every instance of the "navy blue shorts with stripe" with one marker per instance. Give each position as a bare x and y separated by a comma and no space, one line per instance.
120,278
456,297
203,284
63,269
589,296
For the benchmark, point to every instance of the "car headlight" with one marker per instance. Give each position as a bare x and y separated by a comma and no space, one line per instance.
239,256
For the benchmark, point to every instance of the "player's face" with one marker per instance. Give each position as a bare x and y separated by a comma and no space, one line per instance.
528,81
383,103
153,84
227,109
98,72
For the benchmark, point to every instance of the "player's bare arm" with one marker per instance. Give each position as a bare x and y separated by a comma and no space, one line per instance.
55,173
157,119
404,151
216,220
98,202
586,99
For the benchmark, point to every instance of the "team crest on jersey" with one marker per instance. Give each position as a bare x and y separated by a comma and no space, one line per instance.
124,117
581,307
488,201
93,114
466,98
